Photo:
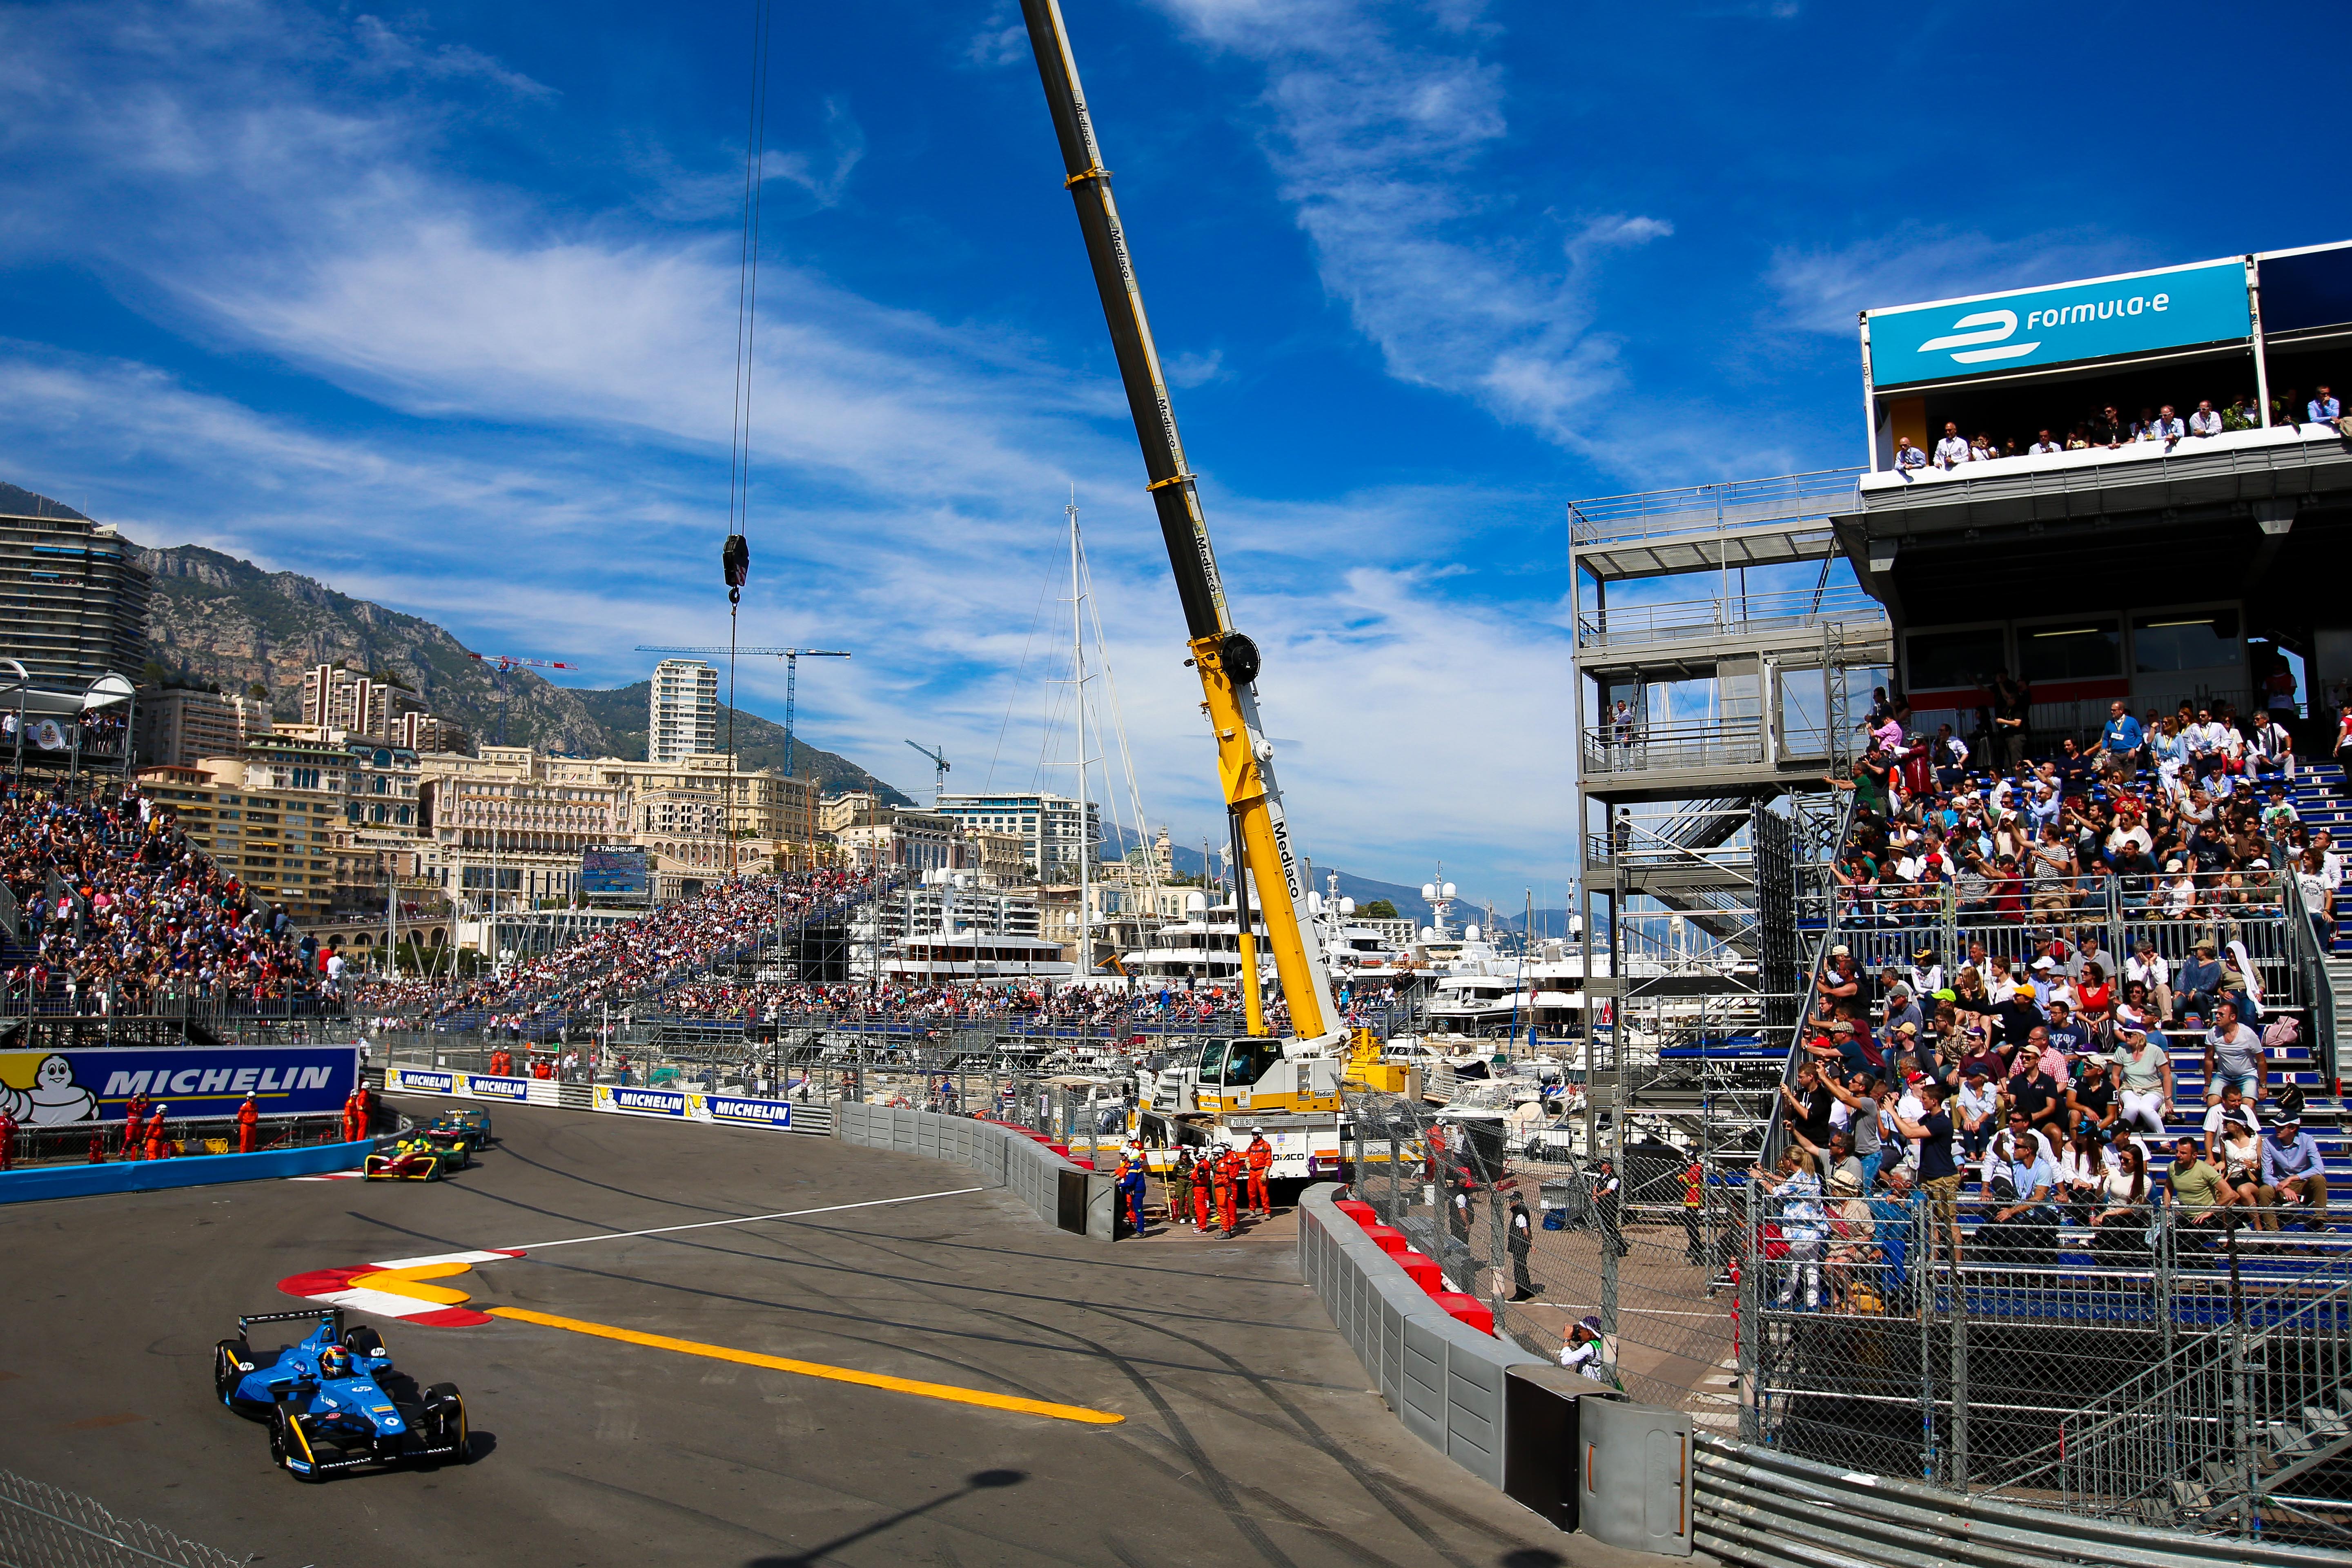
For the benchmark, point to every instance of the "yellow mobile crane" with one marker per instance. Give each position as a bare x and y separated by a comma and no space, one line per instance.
1287,1087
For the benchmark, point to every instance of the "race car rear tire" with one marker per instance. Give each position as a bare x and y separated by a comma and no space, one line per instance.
230,1358
445,1409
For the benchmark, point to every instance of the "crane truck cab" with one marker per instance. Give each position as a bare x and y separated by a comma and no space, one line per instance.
1237,1086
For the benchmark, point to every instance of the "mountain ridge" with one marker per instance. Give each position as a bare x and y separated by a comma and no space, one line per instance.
215,618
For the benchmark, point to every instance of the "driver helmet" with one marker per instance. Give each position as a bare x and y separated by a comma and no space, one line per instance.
334,1362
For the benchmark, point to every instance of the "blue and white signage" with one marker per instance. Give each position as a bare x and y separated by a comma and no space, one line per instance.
482,1086
2139,313
49,1089
641,1102
755,1112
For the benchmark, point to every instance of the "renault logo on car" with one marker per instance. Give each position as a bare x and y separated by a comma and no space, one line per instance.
1991,327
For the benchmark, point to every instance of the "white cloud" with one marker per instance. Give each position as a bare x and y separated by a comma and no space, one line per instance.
1380,145
1823,288
550,479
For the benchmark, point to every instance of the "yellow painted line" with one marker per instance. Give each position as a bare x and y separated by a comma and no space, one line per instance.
818,1369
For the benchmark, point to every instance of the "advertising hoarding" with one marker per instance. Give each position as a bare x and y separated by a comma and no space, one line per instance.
2103,317
55,1088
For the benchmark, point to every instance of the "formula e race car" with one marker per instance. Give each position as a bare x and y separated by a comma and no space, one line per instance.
334,1402
467,1124
420,1157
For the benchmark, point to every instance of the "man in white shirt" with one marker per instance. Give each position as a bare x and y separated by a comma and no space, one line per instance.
2151,970
2165,427
2205,422
2044,445
1953,449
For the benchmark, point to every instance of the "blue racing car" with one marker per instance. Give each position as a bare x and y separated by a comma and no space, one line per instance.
334,1402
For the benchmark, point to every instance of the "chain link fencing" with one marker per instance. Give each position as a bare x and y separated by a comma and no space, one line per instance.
42,1526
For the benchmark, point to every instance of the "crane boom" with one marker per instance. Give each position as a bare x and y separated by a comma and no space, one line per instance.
1227,660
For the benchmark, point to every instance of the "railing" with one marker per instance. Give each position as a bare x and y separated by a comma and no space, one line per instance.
2312,980
1629,626
1650,748
1821,898
1707,509
44,1524
2232,1416
2173,914
2149,1369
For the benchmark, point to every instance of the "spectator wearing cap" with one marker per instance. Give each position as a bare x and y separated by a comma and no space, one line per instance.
1581,1353
1977,1109
2293,1172
1901,1008
2197,986
1926,976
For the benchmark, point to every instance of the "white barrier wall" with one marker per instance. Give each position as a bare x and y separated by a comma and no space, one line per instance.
1060,1193
671,1104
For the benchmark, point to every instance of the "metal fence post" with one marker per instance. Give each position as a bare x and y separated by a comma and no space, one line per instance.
1957,1305
1923,1230
1610,1243
1495,1249
1750,1326
1396,1178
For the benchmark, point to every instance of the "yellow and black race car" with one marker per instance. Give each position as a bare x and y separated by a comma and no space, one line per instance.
421,1156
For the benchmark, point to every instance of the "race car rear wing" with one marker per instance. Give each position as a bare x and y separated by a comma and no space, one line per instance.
314,1315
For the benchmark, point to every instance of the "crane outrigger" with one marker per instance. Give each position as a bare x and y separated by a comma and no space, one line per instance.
1288,1087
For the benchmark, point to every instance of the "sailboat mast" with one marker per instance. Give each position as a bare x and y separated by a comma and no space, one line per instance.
1078,680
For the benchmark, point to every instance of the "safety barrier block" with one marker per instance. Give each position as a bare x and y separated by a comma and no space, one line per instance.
1465,1309
192,1171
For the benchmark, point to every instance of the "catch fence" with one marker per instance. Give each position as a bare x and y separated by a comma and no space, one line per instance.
2146,1369
42,1526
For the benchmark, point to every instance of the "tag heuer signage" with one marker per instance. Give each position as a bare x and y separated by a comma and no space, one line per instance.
2107,318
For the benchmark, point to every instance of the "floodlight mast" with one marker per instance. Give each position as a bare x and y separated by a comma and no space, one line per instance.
1226,660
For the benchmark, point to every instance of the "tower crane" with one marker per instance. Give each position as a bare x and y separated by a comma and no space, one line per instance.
500,664
939,759
792,657
1291,1087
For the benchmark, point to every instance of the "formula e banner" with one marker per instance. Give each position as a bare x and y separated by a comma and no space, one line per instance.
2102,319
51,1088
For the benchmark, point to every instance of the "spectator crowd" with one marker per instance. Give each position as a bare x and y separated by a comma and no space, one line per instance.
2109,429
2032,1062
119,913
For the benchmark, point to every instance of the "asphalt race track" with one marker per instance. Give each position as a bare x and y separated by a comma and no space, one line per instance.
1249,1434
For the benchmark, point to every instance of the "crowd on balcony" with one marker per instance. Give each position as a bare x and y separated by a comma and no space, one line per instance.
2029,1074
2109,429
121,915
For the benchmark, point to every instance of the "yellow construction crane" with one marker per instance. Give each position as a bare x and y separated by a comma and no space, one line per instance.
1301,1072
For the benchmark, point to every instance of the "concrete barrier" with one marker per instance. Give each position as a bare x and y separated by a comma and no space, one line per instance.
1443,1380
1062,1193
189,1171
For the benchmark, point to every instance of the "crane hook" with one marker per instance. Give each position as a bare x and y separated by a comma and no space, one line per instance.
735,560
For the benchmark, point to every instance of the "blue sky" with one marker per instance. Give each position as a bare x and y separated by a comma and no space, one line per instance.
437,304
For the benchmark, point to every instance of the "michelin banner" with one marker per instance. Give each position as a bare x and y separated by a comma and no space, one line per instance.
56,1089
678,1104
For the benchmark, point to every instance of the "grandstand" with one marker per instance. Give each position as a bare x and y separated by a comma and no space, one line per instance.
1765,750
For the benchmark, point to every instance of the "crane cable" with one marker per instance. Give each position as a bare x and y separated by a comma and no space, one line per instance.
735,557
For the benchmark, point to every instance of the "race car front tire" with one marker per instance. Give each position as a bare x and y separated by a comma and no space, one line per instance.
445,1409
288,1449
230,1359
